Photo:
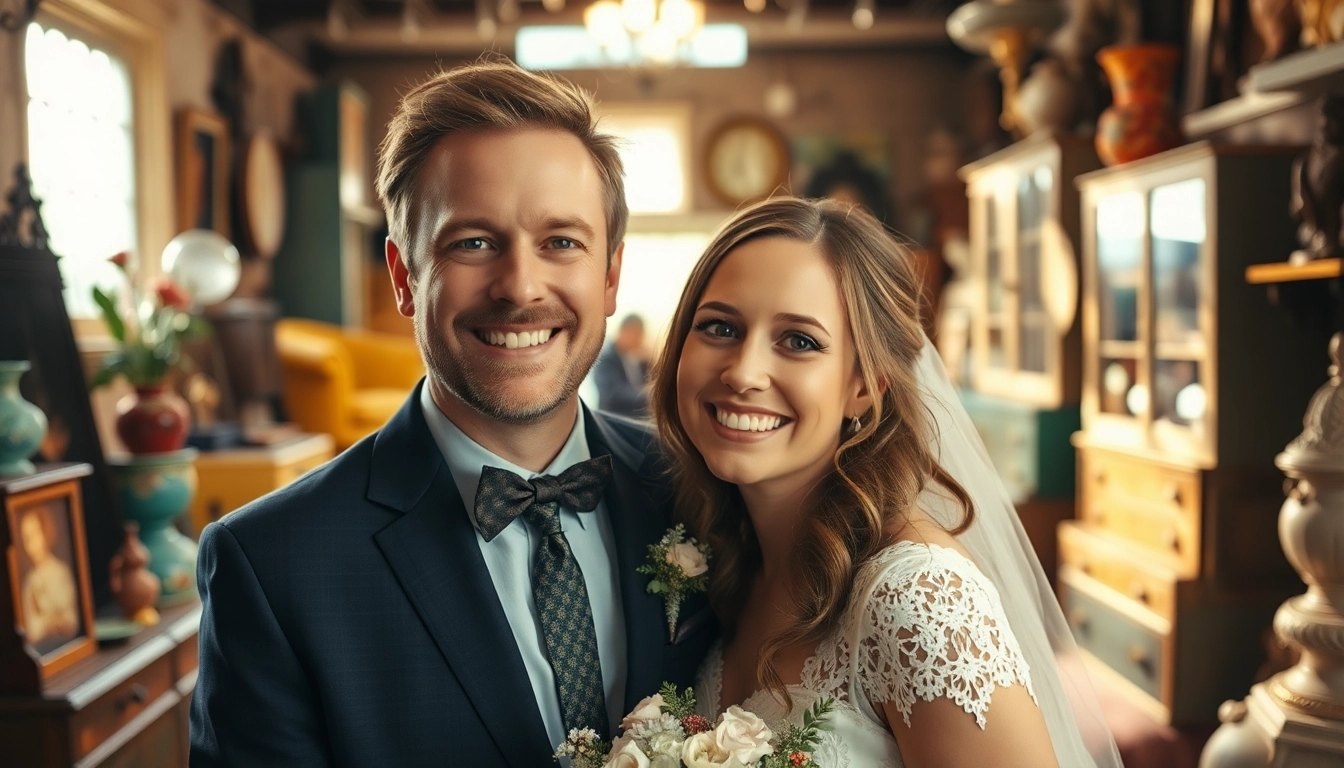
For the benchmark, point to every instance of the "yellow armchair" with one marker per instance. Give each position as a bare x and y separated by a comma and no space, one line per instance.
345,382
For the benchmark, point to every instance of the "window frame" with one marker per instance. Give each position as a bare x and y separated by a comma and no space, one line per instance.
141,45
678,113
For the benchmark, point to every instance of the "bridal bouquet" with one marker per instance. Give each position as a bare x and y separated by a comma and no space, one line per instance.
664,732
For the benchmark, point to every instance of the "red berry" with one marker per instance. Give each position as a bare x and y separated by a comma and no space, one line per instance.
694,724
797,758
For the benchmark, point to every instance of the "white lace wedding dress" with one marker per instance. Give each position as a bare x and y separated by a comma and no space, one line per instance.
927,624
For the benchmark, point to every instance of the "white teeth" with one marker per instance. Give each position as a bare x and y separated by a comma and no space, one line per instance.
746,423
512,340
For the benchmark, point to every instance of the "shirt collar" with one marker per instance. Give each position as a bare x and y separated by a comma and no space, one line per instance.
465,457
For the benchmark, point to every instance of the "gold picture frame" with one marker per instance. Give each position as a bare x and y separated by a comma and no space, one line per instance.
202,171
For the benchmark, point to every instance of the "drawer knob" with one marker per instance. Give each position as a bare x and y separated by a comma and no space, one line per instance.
1078,619
1172,491
1172,539
138,694
1085,567
1139,592
1139,658
1098,475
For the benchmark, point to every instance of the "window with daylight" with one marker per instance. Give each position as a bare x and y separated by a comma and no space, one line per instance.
81,154
655,145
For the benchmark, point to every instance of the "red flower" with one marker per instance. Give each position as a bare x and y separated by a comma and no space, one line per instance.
694,724
171,295
121,260
798,759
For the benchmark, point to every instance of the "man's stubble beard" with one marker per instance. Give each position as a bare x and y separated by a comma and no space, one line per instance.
461,381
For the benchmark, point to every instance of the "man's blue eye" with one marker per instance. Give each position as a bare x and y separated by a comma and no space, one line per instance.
473,244
564,242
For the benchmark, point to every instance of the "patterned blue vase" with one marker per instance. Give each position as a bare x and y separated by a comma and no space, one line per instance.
22,424
154,490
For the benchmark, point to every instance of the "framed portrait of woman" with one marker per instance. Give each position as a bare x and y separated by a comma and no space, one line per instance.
48,594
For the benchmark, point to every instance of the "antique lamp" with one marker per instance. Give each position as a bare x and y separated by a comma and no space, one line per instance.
1007,30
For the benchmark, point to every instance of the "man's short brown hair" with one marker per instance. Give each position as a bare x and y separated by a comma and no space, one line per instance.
491,94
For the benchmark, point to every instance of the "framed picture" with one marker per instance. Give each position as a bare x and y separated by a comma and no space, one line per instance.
202,171
48,592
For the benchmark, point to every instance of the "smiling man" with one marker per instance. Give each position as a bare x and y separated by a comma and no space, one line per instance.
460,588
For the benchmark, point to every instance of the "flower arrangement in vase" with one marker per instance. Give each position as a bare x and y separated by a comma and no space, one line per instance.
149,328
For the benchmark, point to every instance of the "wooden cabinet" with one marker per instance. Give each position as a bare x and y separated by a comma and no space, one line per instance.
1192,383
229,479
127,705
1024,248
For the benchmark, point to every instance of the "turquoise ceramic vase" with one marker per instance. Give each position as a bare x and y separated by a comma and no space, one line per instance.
22,424
154,490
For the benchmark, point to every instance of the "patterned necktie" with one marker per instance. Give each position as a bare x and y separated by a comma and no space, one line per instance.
563,610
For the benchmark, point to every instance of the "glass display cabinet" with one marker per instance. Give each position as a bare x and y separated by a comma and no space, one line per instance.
1025,338
1192,382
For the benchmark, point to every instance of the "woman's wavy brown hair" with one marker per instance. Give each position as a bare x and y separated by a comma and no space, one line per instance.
878,471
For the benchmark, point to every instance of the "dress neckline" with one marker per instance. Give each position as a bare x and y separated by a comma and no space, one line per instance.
714,661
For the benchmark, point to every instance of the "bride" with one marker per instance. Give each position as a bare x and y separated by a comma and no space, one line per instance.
864,549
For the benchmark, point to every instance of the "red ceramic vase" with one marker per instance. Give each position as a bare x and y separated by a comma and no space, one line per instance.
1140,121
156,421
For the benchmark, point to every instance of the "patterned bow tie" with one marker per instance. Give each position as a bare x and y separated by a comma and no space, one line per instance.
503,495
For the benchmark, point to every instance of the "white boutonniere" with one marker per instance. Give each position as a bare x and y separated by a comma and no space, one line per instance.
679,567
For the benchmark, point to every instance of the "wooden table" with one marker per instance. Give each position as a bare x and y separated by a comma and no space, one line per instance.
127,705
231,478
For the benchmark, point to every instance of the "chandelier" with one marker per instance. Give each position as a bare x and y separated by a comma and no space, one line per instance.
649,30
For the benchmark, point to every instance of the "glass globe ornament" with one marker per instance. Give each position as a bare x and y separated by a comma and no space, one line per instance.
204,263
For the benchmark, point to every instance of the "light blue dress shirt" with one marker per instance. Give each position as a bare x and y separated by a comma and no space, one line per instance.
509,557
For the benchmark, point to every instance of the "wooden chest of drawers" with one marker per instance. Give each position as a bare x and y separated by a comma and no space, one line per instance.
1170,576
124,706
229,479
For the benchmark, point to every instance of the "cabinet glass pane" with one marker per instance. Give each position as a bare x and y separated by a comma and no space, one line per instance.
1032,208
1121,393
1178,233
1179,393
1119,253
993,256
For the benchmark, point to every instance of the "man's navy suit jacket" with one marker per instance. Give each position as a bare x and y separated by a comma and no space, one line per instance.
349,618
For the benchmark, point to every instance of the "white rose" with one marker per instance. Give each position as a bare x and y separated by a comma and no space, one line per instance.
664,744
665,761
625,753
648,709
700,751
743,735
689,558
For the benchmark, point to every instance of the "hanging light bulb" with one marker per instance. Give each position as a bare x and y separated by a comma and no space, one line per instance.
554,6
797,14
508,11
681,18
639,15
863,14
755,6
410,21
603,20
338,26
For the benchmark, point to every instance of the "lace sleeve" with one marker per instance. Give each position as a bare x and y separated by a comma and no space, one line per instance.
934,627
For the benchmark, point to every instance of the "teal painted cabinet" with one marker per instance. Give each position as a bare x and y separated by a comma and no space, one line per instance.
321,266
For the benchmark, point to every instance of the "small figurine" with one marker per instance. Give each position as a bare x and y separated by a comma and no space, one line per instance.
134,586
1318,186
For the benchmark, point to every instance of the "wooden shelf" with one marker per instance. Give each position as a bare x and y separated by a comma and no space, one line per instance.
1312,71
1246,107
1287,272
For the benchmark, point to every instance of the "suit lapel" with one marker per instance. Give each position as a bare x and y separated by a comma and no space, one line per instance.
432,550
635,523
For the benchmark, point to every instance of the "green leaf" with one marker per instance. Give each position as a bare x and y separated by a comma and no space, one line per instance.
657,587
110,316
